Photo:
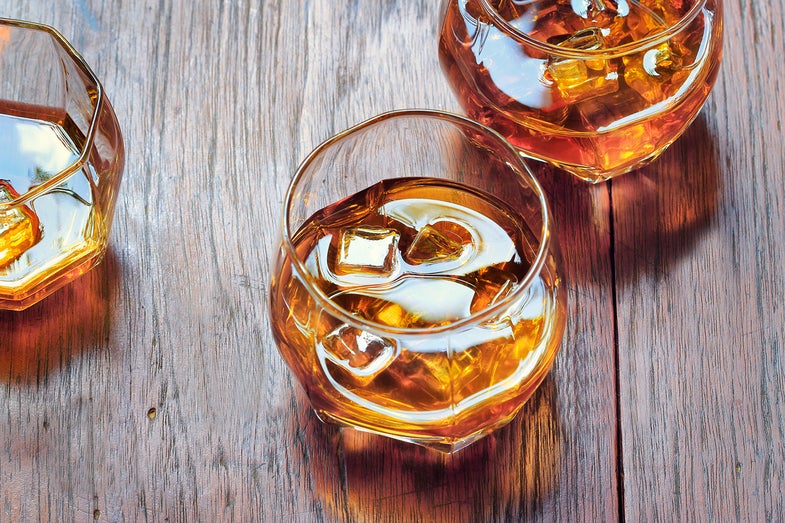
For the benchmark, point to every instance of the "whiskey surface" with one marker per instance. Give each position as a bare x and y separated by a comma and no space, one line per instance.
416,254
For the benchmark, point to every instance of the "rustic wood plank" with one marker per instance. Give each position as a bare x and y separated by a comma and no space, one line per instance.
701,275
151,388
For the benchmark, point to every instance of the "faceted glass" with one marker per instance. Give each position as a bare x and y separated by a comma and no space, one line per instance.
416,293
61,161
596,87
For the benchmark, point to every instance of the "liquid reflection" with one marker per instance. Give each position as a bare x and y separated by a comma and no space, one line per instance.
40,340
33,151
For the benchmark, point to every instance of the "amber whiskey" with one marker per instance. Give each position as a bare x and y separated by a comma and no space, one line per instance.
595,100
434,337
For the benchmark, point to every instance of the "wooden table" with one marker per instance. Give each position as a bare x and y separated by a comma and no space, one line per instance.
151,389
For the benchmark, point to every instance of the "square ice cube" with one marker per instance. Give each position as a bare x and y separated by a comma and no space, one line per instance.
578,79
368,250
431,246
597,113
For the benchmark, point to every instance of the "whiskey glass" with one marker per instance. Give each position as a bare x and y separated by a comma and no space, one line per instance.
61,161
595,87
416,292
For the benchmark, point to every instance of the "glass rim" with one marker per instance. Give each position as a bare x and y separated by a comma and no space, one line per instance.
611,52
80,160
485,314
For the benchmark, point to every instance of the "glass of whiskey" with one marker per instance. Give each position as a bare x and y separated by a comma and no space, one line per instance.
416,292
61,161
595,87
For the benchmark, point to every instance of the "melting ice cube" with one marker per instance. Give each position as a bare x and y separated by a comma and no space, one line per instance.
492,285
599,10
581,79
610,110
652,73
433,246
360,353
368,250
19,227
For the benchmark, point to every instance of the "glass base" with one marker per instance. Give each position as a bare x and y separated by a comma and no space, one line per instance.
591,174
18,297
445,444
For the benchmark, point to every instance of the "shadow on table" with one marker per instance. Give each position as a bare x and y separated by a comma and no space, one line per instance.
662,211
511,473
50,334
659,211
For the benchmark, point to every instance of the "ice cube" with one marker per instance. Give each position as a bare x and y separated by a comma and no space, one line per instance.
581,79
601,113
600,11
358,352
634,25
438,242
652,73
367,251
532,305
19,227
493,284
664,12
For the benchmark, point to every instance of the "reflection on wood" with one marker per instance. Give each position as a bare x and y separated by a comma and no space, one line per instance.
675,278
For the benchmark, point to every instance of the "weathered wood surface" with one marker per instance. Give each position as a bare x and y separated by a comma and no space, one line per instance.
699,251
665,403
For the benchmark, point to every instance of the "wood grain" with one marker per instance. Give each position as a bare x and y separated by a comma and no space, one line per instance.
151,389
699,244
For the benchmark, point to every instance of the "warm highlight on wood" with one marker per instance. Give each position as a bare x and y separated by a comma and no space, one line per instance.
151,389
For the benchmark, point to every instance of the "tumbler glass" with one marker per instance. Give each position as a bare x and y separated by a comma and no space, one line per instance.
416,293
61,161
595,87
